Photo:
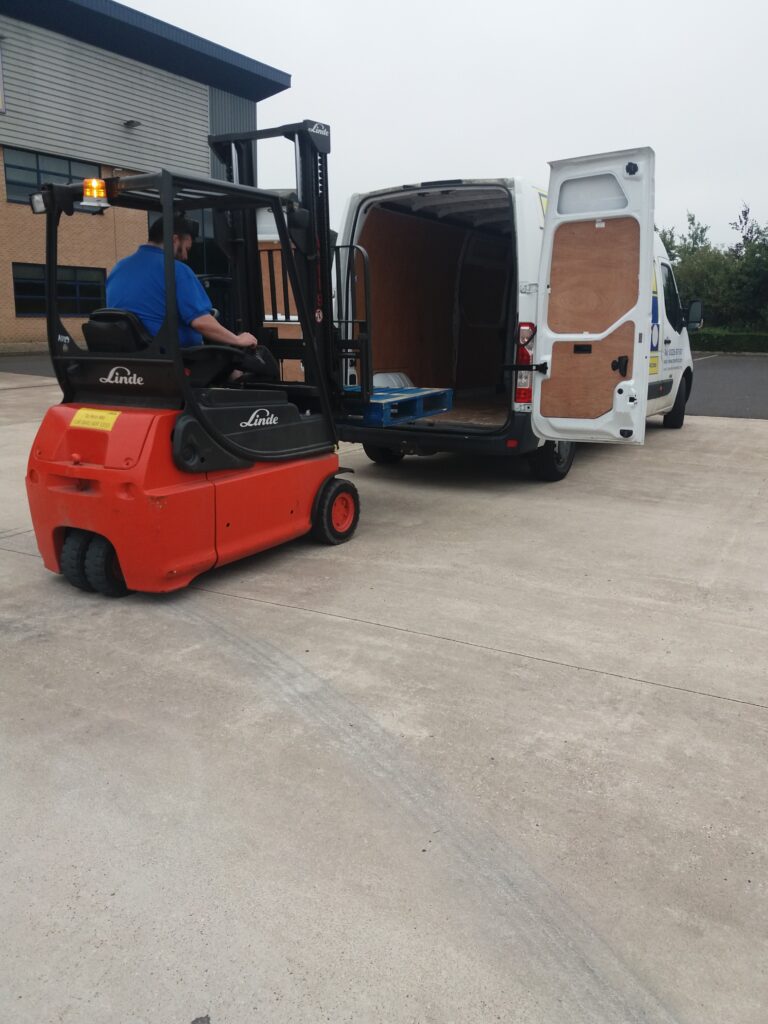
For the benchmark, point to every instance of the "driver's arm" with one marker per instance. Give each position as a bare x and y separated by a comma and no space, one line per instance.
212,330
194,306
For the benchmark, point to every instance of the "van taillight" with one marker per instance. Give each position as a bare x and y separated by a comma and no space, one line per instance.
524,381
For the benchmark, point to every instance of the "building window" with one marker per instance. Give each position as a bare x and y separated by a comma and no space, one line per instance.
2,87
25,172
79,290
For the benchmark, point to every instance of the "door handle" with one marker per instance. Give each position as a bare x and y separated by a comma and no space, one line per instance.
621,364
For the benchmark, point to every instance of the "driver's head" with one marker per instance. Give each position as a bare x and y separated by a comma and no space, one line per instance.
184,234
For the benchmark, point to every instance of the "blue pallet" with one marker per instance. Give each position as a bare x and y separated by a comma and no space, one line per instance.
389,407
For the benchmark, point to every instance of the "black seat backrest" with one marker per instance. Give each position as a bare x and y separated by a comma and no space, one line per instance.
115,330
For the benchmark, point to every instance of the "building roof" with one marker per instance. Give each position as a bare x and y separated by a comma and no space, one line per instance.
120,29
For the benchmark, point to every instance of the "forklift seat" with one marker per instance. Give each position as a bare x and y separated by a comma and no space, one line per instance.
115,330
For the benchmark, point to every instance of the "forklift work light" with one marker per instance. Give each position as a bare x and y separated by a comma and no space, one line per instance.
94,192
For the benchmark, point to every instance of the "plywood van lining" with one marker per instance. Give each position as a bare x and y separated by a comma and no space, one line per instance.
594,282
582,385
440,293
594,274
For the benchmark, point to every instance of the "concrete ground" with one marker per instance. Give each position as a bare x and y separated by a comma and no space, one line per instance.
499,758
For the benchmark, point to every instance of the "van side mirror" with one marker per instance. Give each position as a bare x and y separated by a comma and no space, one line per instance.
695,315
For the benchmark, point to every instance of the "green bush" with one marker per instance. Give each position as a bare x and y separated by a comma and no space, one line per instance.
720,339
732,281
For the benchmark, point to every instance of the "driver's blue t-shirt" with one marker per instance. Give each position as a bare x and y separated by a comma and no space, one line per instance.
137,283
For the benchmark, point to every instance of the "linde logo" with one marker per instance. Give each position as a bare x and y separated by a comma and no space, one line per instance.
260,418
319,129
121,375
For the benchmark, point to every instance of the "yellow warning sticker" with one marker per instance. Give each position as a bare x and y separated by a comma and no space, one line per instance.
653,365
94,419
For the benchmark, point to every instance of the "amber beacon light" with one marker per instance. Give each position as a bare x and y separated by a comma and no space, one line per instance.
94,192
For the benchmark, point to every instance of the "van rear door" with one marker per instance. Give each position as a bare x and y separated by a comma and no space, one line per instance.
594,299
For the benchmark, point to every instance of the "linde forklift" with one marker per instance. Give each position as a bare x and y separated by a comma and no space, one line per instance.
158,464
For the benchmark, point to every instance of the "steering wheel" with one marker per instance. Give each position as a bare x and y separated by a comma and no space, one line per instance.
208,365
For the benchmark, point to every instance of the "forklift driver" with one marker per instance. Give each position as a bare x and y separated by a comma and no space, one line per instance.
137,284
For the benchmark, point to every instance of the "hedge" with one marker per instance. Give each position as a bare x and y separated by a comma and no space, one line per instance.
721,339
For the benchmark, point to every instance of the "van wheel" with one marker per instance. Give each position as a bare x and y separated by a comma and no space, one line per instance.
336,512
553,460
384,456
102,569
73,552
675,418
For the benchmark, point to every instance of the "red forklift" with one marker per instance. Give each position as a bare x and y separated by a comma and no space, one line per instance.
158,465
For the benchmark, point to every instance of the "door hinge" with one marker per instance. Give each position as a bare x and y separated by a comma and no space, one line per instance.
538,367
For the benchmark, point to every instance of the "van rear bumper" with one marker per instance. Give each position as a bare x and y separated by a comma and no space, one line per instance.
515,438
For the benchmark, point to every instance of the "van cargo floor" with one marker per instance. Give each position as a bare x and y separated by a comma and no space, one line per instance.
488,411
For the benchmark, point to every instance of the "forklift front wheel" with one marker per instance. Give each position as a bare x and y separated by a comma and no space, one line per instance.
102,568
384,456
336,513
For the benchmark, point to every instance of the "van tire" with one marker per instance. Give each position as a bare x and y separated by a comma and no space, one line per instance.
72,561
675,418
102,568
384,456
553,461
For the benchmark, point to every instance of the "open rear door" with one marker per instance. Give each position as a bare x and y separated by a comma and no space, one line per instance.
594,305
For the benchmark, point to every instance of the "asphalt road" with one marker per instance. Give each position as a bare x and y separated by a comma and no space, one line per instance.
730,386
723,385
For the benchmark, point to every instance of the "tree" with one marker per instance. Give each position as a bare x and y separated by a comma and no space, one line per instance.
670,242
733,281
750,269
751,232
706,273
695,238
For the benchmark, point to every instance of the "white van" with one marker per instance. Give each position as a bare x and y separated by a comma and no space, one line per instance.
551,315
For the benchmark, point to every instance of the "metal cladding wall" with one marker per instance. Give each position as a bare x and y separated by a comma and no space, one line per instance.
70,99
229,114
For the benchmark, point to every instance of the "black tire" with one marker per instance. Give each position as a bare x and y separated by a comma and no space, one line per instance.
384,456
336,513
73,552
102,568
553,461
675,418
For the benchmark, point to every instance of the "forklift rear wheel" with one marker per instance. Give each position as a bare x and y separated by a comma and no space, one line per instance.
553,460
336,513
102,568
73,552
384,456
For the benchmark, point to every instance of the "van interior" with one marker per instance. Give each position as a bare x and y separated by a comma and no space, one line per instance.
442,293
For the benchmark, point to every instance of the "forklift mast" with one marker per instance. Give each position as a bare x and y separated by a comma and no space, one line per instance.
308,218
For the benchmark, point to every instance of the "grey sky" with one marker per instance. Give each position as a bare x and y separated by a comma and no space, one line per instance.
419,90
